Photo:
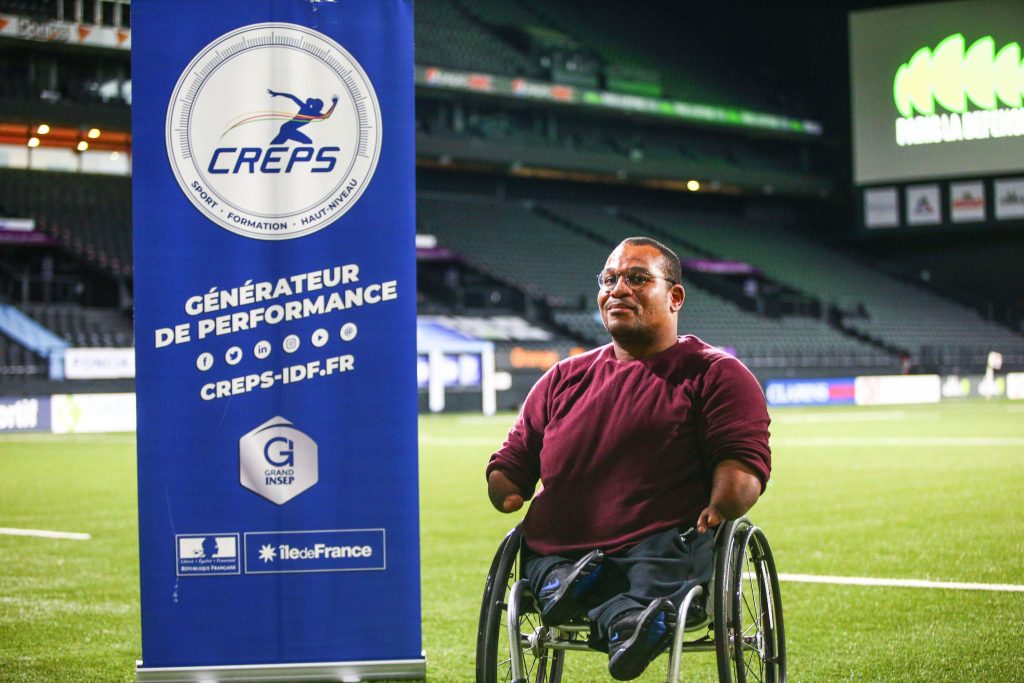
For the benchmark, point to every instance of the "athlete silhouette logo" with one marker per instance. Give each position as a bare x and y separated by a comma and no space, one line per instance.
310,110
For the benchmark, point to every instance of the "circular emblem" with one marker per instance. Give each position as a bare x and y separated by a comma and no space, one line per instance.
273,131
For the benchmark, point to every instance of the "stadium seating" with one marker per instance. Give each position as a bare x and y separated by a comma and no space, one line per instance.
84,327
446,35
617,150
18,363
898,314
89,215
559,247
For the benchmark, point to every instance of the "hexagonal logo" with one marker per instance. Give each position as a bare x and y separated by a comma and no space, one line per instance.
277,461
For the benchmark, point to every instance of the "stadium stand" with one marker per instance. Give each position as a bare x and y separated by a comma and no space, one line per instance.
83,326
869,302
490,135
508,186
447,35
537,262
89,215
18,362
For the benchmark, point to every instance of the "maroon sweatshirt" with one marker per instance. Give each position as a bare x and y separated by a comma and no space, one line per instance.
627,449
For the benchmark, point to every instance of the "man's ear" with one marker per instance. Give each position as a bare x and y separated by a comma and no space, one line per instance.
677,295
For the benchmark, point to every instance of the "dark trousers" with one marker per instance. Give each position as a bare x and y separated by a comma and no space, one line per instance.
665,565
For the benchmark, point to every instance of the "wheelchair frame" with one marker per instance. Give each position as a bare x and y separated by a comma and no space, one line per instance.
745,628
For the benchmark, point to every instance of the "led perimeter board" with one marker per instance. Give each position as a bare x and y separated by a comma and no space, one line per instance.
937,90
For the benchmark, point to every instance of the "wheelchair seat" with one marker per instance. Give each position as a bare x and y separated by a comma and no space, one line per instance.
737,615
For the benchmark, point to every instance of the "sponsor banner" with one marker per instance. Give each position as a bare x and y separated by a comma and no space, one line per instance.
923,207
809,392
1009,196
1015,386
533,356
522,88
275,293
340,550
881,208
457,370
491,328
99,363
18,224
207,554
897,389
25,414
92,413
69,33
974,386
967,201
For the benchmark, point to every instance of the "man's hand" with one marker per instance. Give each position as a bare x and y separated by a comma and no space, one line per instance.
710,517
734,490
505,496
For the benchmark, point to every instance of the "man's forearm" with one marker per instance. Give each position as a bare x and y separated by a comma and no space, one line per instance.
734,488
504,494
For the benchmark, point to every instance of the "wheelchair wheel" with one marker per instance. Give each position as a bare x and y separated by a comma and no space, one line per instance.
749,631
493,655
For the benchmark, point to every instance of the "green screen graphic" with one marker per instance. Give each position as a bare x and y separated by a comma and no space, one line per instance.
954,76
937,90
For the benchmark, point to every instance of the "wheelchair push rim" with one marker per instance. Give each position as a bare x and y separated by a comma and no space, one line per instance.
749,630
494,654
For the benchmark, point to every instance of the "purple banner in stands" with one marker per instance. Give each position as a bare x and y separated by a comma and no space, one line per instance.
36,239
720,267
275,291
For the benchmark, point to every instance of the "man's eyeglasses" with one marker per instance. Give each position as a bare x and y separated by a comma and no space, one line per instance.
636,278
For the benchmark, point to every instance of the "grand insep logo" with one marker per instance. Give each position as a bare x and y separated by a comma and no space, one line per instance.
958,92
273,131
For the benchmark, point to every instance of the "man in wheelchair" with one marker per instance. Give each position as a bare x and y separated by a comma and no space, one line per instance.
642,446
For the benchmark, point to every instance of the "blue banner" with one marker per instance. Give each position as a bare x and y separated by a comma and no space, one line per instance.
274,230
809,392
30,414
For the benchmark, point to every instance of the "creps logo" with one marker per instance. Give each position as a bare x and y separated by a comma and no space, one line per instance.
273,131
958,92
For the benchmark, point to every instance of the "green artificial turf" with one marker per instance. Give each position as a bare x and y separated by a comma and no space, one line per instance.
922,492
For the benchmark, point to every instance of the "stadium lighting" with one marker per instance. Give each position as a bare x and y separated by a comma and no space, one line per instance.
83,145
692,185
33,142
43,129
94,133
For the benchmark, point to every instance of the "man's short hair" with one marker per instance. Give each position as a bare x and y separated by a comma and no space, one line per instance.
669,260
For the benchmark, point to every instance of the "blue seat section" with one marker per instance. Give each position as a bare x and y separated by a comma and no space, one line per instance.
30,334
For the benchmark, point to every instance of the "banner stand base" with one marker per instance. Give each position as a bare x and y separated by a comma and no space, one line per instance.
389,669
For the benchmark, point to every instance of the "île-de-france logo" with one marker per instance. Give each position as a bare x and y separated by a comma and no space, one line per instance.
273,131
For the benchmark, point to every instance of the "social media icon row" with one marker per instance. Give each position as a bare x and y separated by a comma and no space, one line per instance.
289,344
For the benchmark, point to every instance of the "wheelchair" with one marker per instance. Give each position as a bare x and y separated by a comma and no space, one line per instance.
743,627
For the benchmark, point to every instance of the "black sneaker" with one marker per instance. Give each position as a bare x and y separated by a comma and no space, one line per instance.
636,639
566,585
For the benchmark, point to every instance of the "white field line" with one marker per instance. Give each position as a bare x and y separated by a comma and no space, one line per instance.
792,442
47,437
466,441
958,441
841,416
902,583
67,535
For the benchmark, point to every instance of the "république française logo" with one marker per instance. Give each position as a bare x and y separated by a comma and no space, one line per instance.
273,131
960,92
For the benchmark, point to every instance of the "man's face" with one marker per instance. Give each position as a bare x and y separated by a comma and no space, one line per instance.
643,314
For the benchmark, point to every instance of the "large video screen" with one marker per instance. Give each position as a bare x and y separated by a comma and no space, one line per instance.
937,90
